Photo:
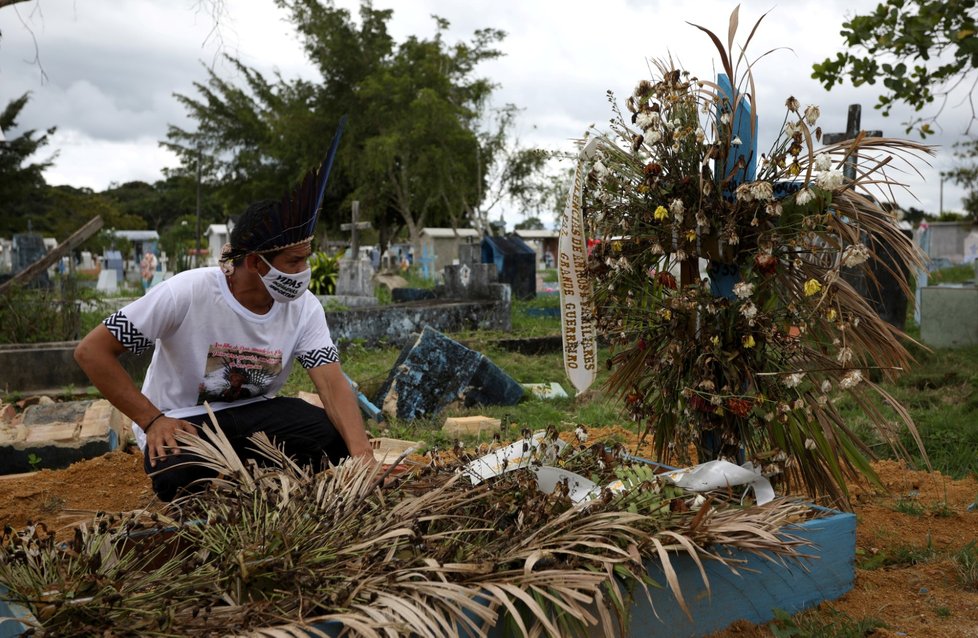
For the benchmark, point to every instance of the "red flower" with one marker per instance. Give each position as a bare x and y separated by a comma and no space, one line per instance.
666,279
766,264
740,407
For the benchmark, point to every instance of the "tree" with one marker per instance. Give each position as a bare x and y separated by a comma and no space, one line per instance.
966,175
21,182
530,223
921,50
412,153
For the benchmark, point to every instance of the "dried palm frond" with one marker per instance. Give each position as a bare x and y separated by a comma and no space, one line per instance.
742,360
429,554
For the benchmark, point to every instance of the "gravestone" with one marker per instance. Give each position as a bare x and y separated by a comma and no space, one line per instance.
108,281
436,371
516,264
971,247
880,287
27,249
87,262
356,274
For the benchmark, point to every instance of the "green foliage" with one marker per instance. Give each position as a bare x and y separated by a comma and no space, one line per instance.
39,315
817,624
919,49
325,270
20,180
966,562
900,556
34,460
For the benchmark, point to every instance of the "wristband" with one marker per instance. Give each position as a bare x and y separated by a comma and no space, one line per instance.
151,422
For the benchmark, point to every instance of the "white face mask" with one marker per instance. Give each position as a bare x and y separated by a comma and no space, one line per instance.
285,287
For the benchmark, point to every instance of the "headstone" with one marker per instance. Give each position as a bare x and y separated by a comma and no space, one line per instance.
469,281
516,264
112,260
355,276
107,281
87,262
921,237
971,247
436,371
470,254
427,261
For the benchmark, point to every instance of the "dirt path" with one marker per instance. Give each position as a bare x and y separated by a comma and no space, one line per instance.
906,540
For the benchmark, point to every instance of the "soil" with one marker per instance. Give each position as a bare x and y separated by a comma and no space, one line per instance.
924,516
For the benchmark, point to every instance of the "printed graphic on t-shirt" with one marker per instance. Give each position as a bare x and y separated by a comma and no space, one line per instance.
236,372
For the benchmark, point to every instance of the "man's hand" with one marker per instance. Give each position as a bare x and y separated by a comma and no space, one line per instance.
161,438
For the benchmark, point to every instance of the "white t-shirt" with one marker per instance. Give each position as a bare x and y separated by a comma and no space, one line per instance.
211,348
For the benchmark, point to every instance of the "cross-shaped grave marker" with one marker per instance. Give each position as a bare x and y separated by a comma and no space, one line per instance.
853,123
353,227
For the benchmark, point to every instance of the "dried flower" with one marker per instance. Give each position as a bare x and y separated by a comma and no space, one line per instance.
845,355
743,290
661,213
812,287
810,444
804,196
811,114
794,380
823,162
830,180
749,342
749,310
851,379
792,104
854,255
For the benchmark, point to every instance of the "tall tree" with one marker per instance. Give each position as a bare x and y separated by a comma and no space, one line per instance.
966,175
21,181
411,153
921,50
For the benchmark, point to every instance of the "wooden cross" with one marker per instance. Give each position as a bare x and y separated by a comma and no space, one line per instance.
852,131
353,227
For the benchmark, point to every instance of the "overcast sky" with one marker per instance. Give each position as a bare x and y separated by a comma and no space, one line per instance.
107,71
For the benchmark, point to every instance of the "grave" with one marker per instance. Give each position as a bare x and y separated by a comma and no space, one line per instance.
515,263
55,435
436,371
354,284
949,315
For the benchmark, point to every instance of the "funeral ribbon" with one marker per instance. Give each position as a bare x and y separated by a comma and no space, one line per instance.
576,314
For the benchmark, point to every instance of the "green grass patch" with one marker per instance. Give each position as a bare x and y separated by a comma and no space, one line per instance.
829,623
897,556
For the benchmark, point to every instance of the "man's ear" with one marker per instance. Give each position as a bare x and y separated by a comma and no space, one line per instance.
251,261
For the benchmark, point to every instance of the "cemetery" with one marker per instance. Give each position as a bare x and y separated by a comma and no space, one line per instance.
733,395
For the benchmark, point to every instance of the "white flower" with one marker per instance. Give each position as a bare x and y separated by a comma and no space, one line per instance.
749,310
581,434
736,141
823,162
845,355
652,137
804,196
600,168
830,180
794,380
790,128
743,290
762,190
810,444
850,380
826,386
700,135
811,114
725,118
854,255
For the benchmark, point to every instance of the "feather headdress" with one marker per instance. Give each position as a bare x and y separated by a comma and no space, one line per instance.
290,221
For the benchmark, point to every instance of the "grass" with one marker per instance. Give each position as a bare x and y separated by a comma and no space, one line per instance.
816,624
898,556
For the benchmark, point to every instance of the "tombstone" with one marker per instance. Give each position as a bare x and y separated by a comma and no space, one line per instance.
971,247
112,260
879,287
28,248
436,371
355,278
921,237
427,261
108,280
470,282
516,264
470,253
87,262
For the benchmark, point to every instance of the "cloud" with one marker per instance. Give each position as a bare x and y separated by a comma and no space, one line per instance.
113,68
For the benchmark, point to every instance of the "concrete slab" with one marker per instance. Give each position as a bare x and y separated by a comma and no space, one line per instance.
55,435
